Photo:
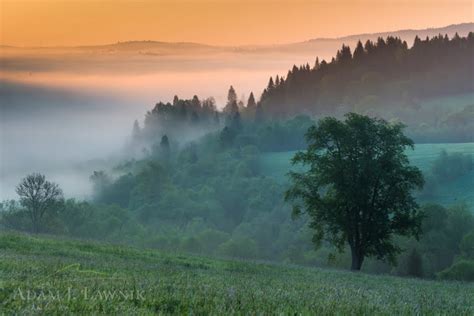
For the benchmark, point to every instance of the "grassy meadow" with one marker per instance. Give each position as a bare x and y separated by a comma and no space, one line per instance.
49,276
461,190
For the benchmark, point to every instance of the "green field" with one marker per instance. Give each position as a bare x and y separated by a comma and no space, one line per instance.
455,102
50,276
461,190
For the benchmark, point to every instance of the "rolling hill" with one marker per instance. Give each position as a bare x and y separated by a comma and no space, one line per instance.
315,45
51,276
461,190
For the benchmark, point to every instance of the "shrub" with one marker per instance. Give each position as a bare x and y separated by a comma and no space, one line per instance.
242,247
191,244
462,271
467,246
16,219
415,264
210,239
448,167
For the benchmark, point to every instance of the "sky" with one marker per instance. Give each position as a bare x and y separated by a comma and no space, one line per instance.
217,22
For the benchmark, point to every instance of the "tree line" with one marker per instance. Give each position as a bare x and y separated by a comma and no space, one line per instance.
387,70
386,79
358,196
210,194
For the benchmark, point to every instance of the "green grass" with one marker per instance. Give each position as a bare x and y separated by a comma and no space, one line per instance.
185,284
461,190
448,103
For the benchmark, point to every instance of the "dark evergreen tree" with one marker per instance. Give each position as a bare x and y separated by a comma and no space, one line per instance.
231,107
193,156
164,143
217,120
344,55
136,131
386,71
316,64
231,95
359,51
194,118
240,105
236,122
165,146
259,113
196,104
251,104
270,85
226,137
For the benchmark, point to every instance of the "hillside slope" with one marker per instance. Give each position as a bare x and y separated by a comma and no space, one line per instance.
461,190
81,277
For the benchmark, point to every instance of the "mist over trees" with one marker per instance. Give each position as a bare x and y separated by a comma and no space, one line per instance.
196,181
387,79
182,119
209,199
387,70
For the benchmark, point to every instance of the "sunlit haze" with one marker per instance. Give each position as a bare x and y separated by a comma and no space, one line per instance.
229,22
231,157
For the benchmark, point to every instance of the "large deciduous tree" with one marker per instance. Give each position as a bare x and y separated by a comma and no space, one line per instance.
37,196
357,187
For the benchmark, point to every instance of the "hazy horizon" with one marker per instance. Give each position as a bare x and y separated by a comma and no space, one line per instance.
59,23
244,45
51,95
235,156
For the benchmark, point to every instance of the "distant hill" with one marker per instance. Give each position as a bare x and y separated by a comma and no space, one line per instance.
320,46
157,48
462,29
325,47
385,77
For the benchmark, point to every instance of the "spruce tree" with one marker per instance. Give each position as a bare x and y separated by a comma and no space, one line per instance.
136,131
251,101
359,51
231,107
259,113
316,64
231,95
271,85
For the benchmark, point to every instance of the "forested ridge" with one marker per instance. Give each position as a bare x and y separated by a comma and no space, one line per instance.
375,75
386,78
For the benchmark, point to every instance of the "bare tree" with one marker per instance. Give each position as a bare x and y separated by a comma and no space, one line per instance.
37,196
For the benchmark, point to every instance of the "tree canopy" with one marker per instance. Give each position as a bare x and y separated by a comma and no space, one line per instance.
387,70
358,187
37,196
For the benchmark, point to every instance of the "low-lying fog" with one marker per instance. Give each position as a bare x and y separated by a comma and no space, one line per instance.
70,119
62,133
68,111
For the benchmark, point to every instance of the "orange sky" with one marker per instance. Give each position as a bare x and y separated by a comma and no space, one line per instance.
225,22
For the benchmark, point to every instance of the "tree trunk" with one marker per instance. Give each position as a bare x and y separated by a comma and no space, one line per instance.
35,227
357,259
34,221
